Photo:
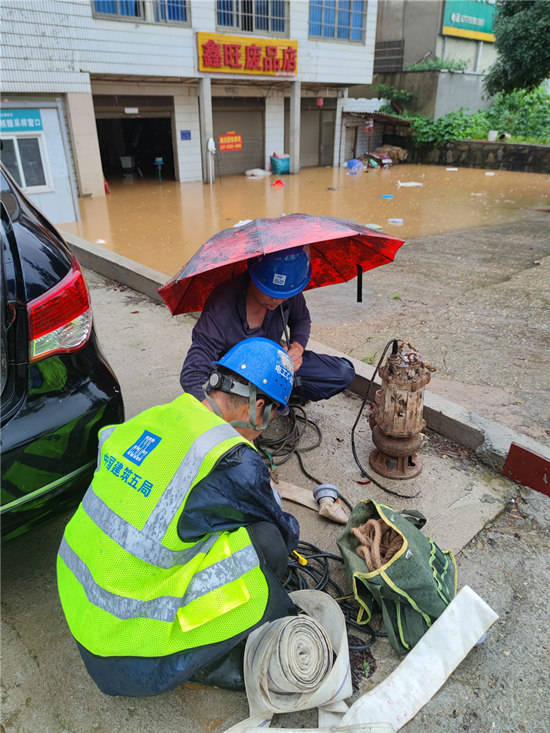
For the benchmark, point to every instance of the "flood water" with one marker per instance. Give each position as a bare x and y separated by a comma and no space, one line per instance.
161,225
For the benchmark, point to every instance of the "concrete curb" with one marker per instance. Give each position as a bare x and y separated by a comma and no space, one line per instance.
117,267
490,440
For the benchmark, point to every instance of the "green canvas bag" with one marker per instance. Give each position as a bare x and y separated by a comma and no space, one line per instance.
413,588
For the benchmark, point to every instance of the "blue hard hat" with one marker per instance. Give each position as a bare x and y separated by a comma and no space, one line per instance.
281,274
264,364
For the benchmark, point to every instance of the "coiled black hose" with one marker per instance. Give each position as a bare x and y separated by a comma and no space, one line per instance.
315,575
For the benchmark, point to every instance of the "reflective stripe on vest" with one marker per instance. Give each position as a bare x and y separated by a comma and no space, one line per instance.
128,584
166,607
146,544
134,541
162,515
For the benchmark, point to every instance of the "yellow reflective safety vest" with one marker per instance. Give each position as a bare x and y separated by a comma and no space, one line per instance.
129,586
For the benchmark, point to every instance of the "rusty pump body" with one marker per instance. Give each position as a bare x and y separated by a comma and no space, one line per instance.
396,419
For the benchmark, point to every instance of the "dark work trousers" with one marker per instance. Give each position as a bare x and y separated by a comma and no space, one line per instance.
322,376
219,664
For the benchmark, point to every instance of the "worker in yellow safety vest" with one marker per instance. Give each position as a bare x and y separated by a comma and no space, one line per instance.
178,548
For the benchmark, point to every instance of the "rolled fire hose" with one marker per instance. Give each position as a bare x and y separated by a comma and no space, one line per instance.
298,663
387,707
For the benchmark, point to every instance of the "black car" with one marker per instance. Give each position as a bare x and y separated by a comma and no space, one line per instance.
57,388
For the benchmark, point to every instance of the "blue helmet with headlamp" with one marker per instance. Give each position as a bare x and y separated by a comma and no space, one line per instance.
281,274
267,369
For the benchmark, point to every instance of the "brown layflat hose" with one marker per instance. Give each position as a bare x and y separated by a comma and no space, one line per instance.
378,543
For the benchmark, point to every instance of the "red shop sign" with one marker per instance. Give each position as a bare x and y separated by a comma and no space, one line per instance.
231,140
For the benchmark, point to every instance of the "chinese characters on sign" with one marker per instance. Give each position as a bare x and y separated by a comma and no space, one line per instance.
20,120
230,141
469,19
218,52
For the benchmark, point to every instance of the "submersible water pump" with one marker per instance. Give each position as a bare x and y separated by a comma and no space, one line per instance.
396,419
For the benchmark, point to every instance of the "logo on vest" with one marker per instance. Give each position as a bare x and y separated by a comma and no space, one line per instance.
139,450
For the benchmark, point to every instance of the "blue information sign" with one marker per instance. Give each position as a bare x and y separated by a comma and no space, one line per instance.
20,120
185,134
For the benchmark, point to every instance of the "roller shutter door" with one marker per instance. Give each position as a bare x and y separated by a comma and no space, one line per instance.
245,117
309,137
316,132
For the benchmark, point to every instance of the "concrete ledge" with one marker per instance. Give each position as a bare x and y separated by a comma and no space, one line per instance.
490,440
117,267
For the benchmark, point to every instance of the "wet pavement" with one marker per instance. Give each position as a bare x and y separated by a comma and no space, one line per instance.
162,225
500,686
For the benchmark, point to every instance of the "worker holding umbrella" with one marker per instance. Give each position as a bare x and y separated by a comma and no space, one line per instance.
248,281
266,301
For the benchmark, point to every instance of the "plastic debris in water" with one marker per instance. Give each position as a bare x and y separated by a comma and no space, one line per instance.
451,169
376,227
387,196
396,221
408,184
257,173
489,173
355,166
101,241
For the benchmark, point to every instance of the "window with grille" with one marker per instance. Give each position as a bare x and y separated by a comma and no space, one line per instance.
255,16
170,11
120,8
341,20
23,157
151,11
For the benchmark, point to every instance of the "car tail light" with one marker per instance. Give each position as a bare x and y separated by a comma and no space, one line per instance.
60,321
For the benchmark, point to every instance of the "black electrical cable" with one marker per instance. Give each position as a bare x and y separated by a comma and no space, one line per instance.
315,574
353,450
286,444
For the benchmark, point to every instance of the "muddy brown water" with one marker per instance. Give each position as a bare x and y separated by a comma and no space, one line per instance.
162,225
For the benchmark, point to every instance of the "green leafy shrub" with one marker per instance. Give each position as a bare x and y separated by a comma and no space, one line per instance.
399,96
460,125
437,64
523,115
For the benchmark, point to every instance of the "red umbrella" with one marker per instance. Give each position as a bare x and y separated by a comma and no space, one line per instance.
338,248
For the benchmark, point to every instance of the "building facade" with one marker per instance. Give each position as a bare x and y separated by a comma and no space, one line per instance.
409,32
186,89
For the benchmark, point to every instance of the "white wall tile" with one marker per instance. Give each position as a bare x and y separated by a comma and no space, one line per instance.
65,36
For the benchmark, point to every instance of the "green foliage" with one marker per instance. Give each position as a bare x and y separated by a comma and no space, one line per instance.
387,109
399,96
524,115
522,30
437,64
459,125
